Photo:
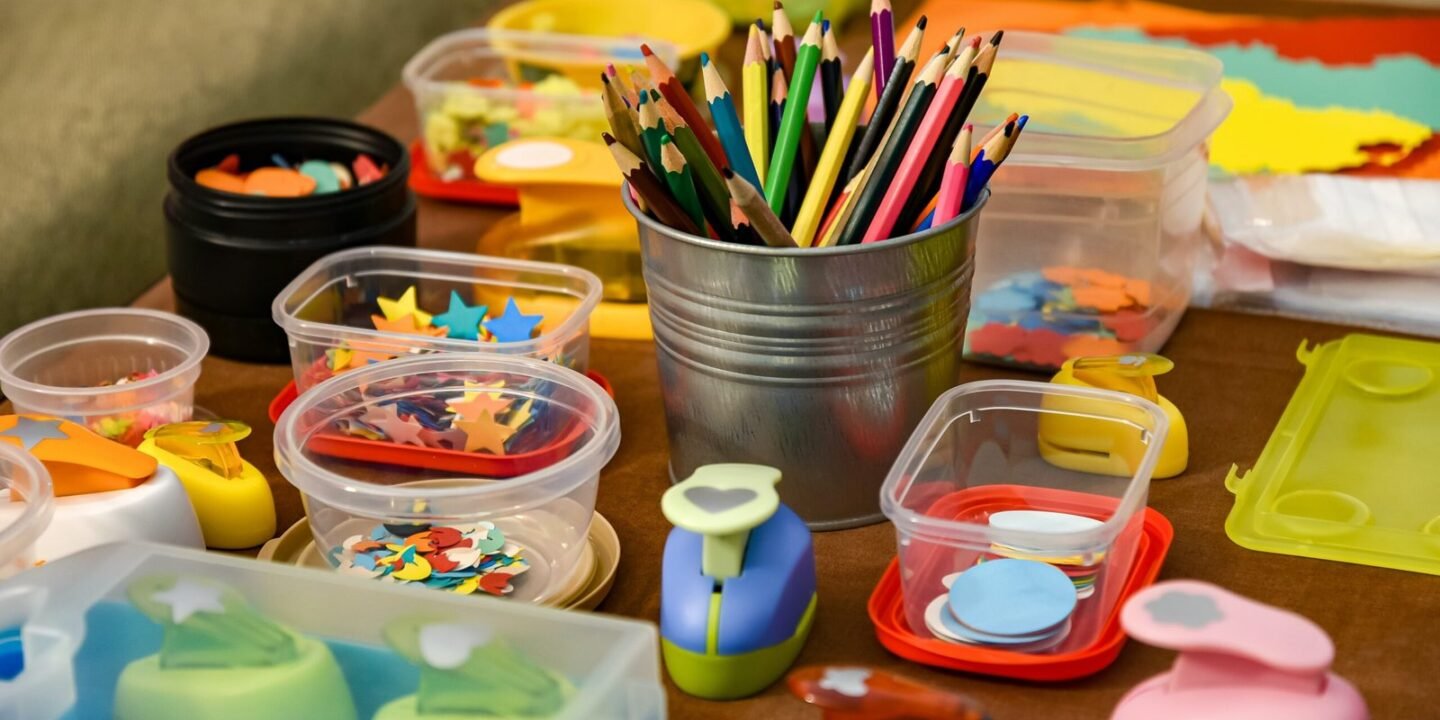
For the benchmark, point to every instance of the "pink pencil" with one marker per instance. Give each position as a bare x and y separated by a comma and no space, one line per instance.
952,184
920,149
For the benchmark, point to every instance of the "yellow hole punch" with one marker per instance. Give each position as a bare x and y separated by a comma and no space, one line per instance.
1071,440
231,497
570,213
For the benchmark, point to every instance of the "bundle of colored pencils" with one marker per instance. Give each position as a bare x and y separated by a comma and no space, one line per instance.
777,180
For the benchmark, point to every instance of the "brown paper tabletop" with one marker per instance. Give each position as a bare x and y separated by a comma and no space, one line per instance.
1234,375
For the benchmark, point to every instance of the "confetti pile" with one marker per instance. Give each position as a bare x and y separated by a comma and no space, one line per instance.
1041,319
129,428
463,559
285,179
450,413
467,121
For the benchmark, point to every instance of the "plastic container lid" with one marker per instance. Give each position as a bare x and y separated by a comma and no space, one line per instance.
55,366
25,480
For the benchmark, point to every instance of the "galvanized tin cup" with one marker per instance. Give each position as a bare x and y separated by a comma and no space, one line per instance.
819,362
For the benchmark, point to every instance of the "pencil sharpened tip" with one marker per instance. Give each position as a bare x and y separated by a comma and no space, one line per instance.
608,138
645,50
727,172
819,16
995,39
779,5
921,23
704,59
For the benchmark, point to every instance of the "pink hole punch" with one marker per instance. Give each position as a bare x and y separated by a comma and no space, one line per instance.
1238,657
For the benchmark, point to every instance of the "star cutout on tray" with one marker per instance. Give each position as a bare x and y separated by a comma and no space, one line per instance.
513,325
485,434
462,320
188,597
483,403
31,432
471,387
406,326
404,307
400,430
522,415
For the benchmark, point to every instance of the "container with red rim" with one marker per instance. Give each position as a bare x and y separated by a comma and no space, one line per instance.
329,311
521,469
1013,470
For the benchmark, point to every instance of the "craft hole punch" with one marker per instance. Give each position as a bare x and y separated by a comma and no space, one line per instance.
1255,661
852,693
1071,439
231,497
104,491
571,212
737,587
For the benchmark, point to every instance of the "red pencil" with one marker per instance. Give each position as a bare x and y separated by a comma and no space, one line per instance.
952,186
674,92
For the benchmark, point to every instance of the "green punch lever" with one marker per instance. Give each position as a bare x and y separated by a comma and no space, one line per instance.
723,503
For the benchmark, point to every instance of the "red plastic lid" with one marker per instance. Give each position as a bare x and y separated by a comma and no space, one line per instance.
469,190
887,603
379,451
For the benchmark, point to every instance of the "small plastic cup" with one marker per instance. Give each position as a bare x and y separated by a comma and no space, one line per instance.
997,446
540,493
26,483
117,371
330,307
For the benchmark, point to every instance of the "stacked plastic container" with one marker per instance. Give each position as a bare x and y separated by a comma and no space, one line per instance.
1092,230
26,485
1078,461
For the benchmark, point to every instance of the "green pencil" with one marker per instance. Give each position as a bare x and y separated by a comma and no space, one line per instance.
652,130
794,121
714,197
681,181
889,158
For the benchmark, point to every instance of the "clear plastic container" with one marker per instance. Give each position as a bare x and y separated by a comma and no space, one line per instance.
477,88
78,636
540,493
1002,446
117,371
1105,189
330,307
24,481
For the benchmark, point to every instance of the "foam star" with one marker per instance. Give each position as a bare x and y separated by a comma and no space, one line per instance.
483,403
399,309
462,320
339,358
522,415
470,387
398,429
406,326
188,597
513,325
32,432
484,433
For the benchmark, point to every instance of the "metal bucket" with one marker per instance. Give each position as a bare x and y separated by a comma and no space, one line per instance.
816,361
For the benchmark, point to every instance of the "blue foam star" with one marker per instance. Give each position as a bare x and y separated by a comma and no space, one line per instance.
33,432
462,321
513,325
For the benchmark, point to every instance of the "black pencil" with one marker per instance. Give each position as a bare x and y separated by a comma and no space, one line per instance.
831,84
886,106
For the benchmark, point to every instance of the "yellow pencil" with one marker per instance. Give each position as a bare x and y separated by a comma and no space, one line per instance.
833,156
840,214
755,84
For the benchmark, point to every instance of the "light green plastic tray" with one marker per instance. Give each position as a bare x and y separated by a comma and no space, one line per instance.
1352,472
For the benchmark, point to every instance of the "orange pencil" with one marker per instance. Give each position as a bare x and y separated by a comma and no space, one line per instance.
679,98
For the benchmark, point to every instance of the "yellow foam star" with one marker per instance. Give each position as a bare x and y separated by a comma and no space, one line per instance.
397,309
485,433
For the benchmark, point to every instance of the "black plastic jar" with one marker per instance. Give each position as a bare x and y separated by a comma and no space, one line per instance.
230,254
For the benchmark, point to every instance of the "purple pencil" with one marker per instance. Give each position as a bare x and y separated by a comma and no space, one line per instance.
882,37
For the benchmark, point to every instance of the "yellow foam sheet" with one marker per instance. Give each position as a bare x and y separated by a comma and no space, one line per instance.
1086,102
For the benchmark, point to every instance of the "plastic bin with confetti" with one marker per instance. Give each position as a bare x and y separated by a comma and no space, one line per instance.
358,307
1092,230
469,473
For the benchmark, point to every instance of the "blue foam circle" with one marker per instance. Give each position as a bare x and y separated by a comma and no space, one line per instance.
1012,597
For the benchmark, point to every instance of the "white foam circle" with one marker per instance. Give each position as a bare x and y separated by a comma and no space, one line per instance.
536,155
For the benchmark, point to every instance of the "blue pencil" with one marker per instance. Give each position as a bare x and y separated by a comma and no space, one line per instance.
727,122
980,172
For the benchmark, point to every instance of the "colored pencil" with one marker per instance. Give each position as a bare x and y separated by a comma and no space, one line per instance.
680,181
929,182
831,83
827,172
622,123
839,213
714,198
652,131
895,87
888,158
985,140
882,41
988,160
755,79
898,191
794,121
779,93
744,232
952,187
642,84
783,38
727,123
642,180
954,44
679,98
762,218
626,91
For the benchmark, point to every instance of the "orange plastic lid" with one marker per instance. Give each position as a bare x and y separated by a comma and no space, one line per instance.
469,190
80,462
887,604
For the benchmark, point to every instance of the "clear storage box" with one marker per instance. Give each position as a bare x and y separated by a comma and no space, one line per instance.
332,311
468,473
117,371
25,482
1093,226
1055,476
77,638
